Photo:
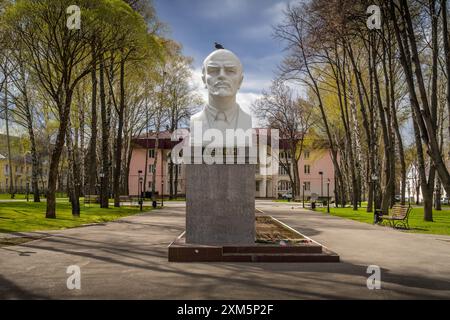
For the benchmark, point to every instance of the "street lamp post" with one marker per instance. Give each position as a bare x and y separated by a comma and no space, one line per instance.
375,211
162,193
321,183
162,177
374,181
140,189
304,185
141,200
102,176
328,196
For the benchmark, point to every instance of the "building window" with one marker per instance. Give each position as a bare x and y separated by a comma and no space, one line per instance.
307,169
282,170
284,185
257,185
307,186
306,154
151,153
285,154
150,185
151,168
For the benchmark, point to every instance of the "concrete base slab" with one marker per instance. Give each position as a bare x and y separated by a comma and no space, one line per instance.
306,251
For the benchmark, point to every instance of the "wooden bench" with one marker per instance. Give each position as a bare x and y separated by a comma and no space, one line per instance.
91,198
125,199
398,215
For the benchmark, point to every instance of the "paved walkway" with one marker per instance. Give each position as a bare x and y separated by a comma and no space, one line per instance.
127,259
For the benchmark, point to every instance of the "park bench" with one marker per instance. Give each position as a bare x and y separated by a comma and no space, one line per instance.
91,198
125,198
398,215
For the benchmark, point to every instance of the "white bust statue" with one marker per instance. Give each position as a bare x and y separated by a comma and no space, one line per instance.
222,76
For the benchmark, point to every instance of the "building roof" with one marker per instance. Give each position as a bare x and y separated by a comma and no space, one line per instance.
2,157
147,140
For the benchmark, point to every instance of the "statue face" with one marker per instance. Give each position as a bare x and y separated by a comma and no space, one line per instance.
222,73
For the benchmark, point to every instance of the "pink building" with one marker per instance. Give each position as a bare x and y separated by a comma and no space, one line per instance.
145,147
312,163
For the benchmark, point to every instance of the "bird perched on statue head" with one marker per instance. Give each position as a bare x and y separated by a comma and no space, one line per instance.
218,46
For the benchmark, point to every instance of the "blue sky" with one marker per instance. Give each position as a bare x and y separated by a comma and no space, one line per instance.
243,26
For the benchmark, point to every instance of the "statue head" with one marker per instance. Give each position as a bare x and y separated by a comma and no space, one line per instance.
222,73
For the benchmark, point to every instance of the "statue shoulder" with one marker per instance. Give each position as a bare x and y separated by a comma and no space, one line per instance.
245,119
244,114
199,116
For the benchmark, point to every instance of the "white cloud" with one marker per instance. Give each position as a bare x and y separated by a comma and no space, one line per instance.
275,12
246,100
255,84
214,9
272,16
263,31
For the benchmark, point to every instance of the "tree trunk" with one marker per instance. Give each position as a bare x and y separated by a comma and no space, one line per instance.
437,201
147,152
8,140
334,154
339,77
447,59
34,159
362,92
73,172
118,155
105,174
426,187
388,151
428,204
92,155
429,134
29,123
56,156
82,143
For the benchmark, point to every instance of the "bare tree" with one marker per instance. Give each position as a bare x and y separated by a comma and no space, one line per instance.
281,110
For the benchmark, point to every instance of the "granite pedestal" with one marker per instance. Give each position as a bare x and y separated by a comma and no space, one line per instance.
220,204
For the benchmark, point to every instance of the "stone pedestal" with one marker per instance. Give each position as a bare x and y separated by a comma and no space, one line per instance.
220,204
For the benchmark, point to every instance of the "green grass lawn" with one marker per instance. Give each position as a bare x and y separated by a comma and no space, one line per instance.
286,200
440,225
7,196
30,216
174,199
21,196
